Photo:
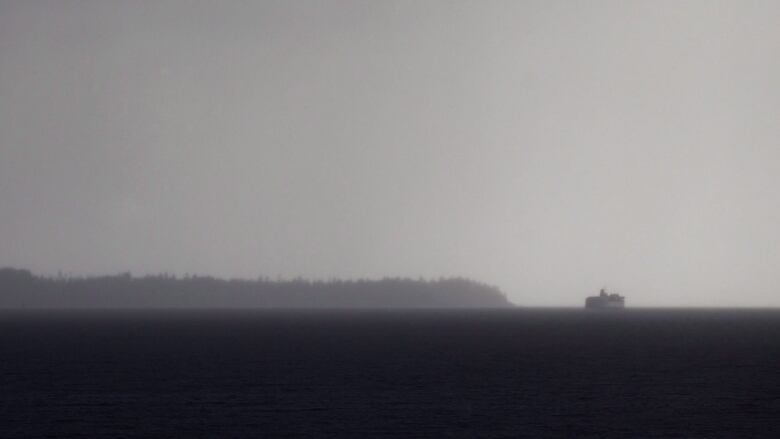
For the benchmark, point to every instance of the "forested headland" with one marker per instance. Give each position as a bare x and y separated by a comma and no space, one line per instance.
21,289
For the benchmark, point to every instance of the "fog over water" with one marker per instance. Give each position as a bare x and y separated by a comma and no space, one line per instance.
547,147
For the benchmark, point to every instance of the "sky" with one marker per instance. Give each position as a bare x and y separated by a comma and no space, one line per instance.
546,147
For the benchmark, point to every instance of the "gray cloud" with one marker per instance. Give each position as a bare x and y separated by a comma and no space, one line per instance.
546,147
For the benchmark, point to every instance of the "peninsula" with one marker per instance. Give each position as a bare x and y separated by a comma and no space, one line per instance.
22,290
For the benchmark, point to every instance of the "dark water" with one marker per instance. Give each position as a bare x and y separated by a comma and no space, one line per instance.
509,373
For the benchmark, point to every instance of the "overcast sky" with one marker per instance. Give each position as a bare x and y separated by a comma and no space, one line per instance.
548,147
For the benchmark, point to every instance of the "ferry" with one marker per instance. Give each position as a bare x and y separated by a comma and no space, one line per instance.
605,301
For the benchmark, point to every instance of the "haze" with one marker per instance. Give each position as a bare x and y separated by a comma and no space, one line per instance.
549,148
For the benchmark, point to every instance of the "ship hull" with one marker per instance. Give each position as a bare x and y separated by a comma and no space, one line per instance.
600,303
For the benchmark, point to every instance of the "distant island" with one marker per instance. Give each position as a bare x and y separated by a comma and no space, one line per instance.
21,289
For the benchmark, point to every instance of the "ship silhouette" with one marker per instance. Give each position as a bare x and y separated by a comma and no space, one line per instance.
605,301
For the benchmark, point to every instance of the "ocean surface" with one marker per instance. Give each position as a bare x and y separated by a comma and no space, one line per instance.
356,374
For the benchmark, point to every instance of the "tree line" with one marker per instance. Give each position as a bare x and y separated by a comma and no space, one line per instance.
21,289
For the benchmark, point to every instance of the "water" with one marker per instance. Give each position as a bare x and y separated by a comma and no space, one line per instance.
449,374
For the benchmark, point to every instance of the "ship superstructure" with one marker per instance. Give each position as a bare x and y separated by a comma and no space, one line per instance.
605,300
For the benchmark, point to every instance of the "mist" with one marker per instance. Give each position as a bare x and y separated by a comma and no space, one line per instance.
548,148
